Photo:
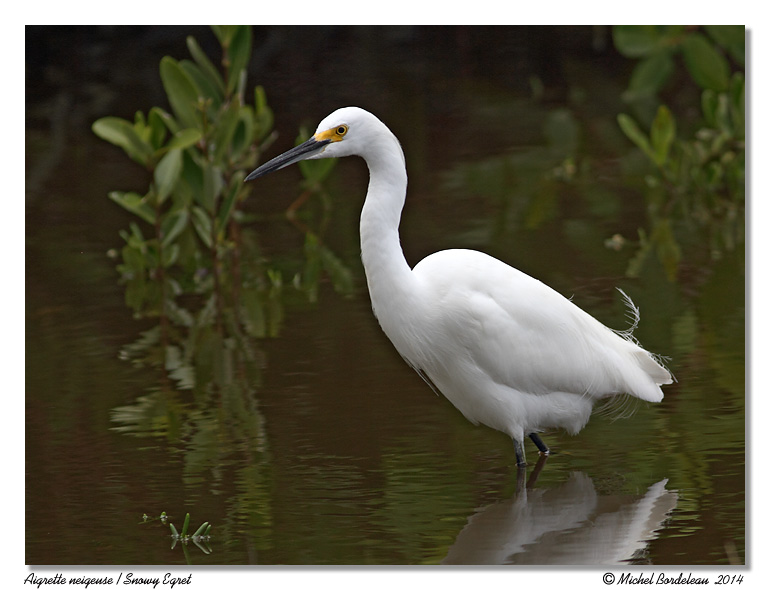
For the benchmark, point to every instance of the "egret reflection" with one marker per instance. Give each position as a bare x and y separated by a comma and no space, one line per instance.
568,525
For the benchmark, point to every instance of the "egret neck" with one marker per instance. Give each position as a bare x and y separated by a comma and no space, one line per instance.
388,275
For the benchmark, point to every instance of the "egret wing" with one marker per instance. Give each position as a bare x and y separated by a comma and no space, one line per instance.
523,334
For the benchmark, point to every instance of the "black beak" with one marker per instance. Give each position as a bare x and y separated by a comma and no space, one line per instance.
301,152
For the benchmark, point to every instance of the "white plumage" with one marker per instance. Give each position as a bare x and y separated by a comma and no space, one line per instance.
508,351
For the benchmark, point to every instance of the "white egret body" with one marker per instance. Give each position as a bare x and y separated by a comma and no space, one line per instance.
508,351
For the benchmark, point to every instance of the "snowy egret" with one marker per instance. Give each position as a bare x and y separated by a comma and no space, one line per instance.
505,349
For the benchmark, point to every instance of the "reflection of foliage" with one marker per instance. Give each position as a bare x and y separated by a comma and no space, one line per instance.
696,183
200,270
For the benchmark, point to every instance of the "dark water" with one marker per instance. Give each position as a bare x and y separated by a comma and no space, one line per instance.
325,448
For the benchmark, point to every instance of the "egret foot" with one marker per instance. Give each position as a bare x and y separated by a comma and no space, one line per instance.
518,449
542,447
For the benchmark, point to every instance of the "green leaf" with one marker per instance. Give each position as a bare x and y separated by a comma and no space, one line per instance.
224,33
133,260
141,128
158,128
642,40
171,124
134,203
170,255
167,174
121,133
181,91
212,187
649,76
632,131
263,115
236,185
723,120
224,131
662,134
184,139
260,99
192,173
709,103
706,64
172,225
205,65
239,53
732,38
201,530
244,133
206,91
202,224
240,89
136,236
738,100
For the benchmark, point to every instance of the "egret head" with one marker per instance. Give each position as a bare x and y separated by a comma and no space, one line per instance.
345,132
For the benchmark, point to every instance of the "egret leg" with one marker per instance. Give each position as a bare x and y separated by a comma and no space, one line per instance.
518,448
542,447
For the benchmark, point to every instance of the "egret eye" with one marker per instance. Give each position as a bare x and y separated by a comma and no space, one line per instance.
341,130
